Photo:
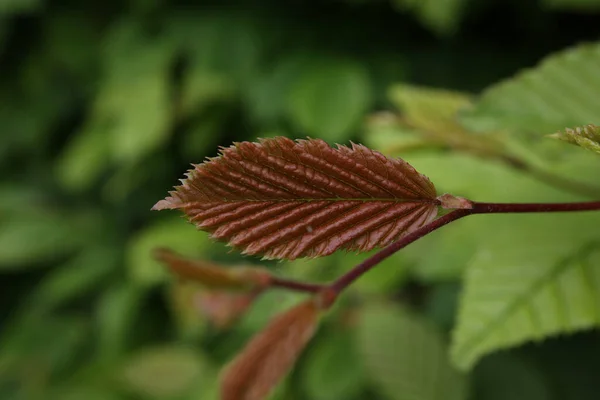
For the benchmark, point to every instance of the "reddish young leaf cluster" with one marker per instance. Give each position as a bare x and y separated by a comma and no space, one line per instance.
288,199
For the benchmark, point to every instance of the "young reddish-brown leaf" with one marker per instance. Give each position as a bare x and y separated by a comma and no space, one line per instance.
270,354
288,199
222,309
212,275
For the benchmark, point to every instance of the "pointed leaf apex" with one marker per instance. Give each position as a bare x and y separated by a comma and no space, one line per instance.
270,355
212,275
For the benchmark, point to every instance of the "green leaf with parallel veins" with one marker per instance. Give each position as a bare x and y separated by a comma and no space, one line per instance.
532,278
406,358
561,91
587,137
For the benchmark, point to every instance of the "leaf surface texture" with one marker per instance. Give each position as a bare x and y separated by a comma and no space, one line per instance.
288,199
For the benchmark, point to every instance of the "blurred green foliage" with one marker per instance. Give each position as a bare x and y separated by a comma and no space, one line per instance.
103,105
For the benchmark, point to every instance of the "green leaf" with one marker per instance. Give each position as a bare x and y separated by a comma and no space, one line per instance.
40,235
77,278
163,372
173,233
433,113
587,137
116,315
48,344
85,157
531,279
441,16
329,98
333,369
134,96
8,7
560,91
507,376
405,357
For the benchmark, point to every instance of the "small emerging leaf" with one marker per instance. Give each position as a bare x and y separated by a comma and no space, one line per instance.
587,136
290,199
224,308
270,355
212,275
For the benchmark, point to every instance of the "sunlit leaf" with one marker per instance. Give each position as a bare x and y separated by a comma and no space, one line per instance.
559,92
533,277
329,98
405,357
433,113
270,355
327,199
587,137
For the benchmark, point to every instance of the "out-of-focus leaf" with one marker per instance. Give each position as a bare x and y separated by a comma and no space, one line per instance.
202,135
405,357
560,91
587,137
85,157
173,233
386,278
584,6
333,369
82,391
270,354
507,376
350,198
78,277
442,303
268,94
441,16
329,99
48,345
222,309
530,279
8,7
116,314
134,97
163,372
212,275
30,237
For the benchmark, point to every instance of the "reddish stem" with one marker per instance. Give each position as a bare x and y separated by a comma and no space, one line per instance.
333,289
343,281
476,208
496,208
